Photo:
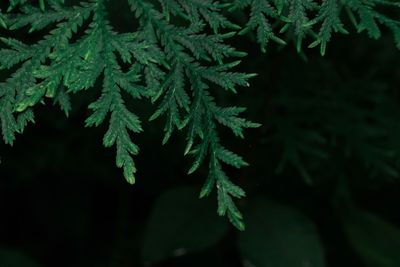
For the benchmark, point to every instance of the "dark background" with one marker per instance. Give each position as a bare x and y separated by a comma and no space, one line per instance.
64,203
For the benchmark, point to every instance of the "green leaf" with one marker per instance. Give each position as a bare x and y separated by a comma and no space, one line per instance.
181,223
279,236
375,240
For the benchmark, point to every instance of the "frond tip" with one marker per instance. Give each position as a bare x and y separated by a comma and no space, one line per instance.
175,65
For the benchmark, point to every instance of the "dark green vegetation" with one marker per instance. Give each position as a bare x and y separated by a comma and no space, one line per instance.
323,182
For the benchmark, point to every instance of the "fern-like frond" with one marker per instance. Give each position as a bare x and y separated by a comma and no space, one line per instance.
176,57
261,11
318,21
196,64
75,66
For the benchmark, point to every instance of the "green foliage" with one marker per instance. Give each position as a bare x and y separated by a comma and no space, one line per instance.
279,236
186,50
176,66
374,239
363,129
76,66
178,56
188,226
318,20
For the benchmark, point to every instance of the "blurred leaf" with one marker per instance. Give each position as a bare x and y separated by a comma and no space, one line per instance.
279,236
375,240
14,258
181,223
